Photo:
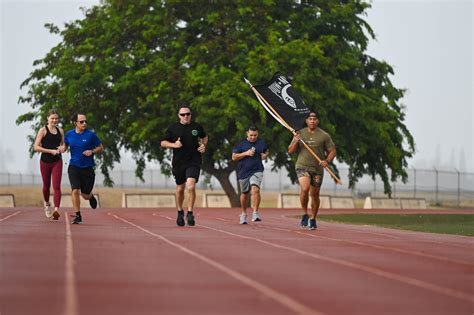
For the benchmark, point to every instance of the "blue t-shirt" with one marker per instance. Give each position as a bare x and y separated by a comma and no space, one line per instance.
78,143
250,165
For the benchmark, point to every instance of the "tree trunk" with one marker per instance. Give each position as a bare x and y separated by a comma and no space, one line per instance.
232,194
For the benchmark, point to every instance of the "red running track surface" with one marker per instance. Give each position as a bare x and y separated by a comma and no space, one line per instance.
137,261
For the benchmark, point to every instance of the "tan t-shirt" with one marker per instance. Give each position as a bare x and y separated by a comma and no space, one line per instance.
320,142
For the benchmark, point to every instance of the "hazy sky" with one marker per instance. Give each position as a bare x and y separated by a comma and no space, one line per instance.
428,43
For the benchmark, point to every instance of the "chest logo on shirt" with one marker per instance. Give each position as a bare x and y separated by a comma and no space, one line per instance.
194,132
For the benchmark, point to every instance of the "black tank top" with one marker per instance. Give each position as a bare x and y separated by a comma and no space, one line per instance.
51,141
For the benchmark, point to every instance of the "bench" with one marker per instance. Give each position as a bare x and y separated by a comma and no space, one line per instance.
339,202
215,200
149,200
7,201
292,200
66,201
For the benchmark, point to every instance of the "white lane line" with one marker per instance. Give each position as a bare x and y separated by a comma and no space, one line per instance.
281,298
362,229
220,219
9,216
383,248
359,228
379,272
393,249
379,247
71,306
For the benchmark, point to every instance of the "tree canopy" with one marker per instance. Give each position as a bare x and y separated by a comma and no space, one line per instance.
128,65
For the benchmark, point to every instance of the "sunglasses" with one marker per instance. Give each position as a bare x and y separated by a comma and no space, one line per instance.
185,114
82,122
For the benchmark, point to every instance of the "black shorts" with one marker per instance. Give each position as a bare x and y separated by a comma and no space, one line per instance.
183,172
81,178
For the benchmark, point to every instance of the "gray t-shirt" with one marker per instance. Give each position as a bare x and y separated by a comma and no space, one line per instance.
320,142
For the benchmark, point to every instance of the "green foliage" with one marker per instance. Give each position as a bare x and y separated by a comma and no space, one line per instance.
128,65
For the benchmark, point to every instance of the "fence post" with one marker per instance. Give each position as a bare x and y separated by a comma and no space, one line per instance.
436,171
279,181
375,185
459,187
414,184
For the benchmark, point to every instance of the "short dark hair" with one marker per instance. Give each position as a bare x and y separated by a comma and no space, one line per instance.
312,113
183,106
74,117
252,128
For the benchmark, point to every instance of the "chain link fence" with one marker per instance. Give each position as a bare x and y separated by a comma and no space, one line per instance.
438,187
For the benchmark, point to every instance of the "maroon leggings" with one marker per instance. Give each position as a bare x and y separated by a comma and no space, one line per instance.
54,170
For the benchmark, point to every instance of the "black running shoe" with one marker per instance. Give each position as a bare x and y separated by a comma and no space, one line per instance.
93,202
190,218
312,224
77,219
180,219
304,220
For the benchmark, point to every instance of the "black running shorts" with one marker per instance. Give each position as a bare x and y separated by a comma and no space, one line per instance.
183,172
81,178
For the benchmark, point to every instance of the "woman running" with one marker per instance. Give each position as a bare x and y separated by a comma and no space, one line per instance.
48,142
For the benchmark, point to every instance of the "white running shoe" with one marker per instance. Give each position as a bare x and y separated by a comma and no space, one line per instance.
48,211
243,219
255,217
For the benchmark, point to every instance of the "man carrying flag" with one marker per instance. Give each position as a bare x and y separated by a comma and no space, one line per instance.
315,147
308,169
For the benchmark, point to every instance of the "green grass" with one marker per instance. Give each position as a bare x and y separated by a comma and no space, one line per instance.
457,224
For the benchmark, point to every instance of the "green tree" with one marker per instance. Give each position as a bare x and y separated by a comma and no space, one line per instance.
127,65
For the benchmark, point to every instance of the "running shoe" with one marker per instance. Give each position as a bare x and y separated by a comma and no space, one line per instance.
56,215
312,224
255,217
190,218
93,202
243,218
180,218
47,211
304,220
77,219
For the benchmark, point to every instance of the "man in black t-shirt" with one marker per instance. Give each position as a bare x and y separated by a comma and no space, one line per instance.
188,141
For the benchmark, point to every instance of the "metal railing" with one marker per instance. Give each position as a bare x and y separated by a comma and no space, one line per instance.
438,187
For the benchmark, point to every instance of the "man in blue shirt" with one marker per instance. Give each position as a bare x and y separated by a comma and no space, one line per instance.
249,153
83,144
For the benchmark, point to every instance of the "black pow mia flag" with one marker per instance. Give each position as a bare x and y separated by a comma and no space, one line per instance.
281,100
288,107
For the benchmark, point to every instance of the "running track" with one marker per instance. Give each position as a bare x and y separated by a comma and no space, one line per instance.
136,261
